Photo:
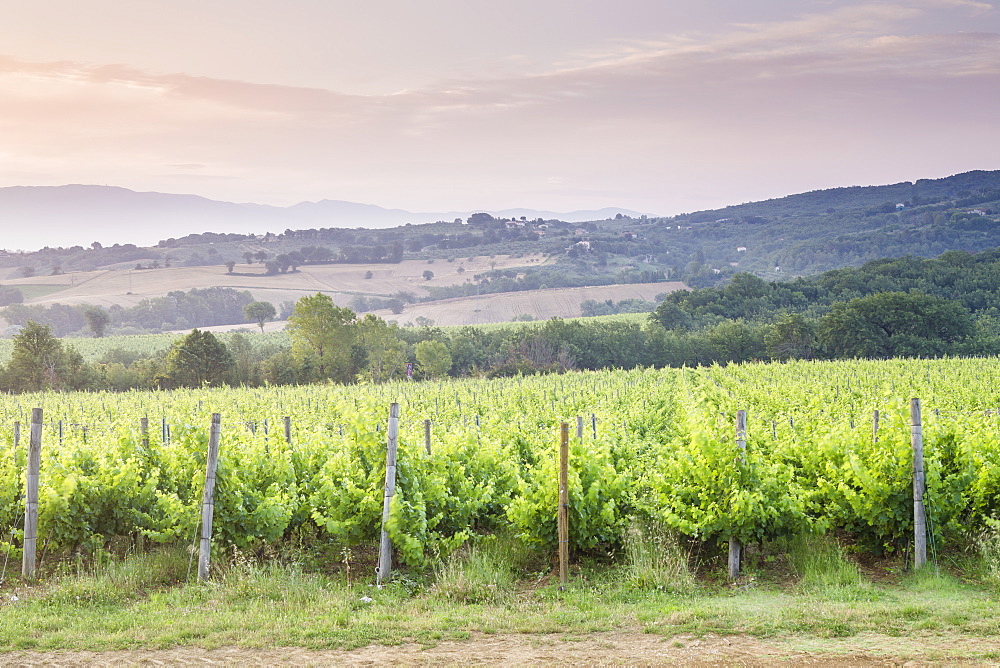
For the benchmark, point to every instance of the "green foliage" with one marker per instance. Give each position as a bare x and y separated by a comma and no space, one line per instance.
894,324
198,360
260,312
10,295
383,352
322,337
97,319
599,499
433,358
39,361
664,455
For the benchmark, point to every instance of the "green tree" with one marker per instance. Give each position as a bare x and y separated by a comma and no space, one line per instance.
735,341
322,336
10,295
198,360
230,265
259,312
894,324
245,370
383,351
434,358
428,274
671,317
97,319
40,361
791,337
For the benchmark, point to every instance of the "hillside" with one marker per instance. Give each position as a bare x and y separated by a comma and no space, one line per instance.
74,215
345,283
483,254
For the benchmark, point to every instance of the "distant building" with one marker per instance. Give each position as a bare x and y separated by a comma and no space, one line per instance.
741,249
900,206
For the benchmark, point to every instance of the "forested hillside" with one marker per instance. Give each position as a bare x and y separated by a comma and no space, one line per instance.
792,236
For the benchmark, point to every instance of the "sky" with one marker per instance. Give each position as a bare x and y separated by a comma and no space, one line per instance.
660,107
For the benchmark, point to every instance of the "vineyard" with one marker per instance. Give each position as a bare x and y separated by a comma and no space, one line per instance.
654,445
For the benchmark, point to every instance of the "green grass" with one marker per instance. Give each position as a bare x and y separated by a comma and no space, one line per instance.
32,291
147,601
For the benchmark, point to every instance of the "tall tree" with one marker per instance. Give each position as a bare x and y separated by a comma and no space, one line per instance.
198,360
322,336
260,312
792,336
39,361
97,319
383,350
433,357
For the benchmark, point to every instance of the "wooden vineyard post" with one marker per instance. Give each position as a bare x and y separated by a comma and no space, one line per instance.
427,435
31,496
579,428
563,504
17,435
919,518
384,569
144,431
208,500
288,429
741,442
875,427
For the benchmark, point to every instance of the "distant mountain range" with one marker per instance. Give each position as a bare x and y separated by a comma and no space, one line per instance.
32,217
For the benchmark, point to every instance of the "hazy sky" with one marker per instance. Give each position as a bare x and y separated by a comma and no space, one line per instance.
657,106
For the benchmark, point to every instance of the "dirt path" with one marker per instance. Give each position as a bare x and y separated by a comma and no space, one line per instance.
562,650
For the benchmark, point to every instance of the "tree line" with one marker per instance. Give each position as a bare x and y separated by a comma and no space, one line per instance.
907,307
202,307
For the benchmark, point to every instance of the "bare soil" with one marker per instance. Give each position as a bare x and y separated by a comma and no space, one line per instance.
603,649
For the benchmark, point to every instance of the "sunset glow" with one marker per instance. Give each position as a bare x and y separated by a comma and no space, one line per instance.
558,105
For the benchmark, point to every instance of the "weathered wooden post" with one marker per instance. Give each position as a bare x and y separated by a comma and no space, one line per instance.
427,436
17,435
563,518
31,496
288,429
579,427
919,518
875,417
384,569
144,431
208,499
735,549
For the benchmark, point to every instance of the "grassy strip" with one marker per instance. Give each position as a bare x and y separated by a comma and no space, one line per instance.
142,602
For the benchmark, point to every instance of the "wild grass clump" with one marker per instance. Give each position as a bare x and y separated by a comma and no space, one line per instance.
824,569
654,559
482,572
110,581
986,548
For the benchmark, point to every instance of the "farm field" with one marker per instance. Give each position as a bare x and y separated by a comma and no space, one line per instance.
657,444
539,304
655,468
128,287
